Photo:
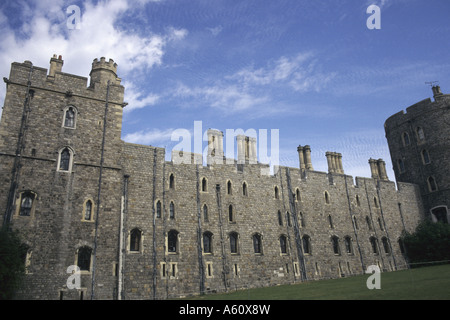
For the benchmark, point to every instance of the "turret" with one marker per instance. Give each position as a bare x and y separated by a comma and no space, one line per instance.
104,71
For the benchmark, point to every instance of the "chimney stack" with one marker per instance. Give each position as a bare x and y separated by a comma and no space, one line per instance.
56,64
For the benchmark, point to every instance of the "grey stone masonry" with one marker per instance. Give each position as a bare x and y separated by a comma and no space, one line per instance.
141,227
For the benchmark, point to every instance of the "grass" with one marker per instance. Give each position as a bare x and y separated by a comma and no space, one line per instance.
427,283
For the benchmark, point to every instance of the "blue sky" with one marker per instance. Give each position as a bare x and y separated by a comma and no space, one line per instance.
310,69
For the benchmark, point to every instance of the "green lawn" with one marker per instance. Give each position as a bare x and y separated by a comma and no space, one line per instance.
414,284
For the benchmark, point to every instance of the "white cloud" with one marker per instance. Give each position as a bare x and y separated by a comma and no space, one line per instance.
44,32
149,137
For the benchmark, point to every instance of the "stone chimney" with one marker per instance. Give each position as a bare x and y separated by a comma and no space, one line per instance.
56,64
378,169
215,147
304,157
436,91
246,148
334,161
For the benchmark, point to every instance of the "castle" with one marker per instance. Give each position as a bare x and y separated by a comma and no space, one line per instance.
136,226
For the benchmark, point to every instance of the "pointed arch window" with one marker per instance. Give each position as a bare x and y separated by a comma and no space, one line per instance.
171,181
70,115
172,210
234,245
406,140
135,240
425,157
432,184
335,245
205,213
158,209
207,242
88,210
348,245
84,258
65,159
172,241
306,241
374,245
257,243
283,244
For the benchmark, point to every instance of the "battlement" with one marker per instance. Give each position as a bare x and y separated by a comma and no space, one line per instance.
103,71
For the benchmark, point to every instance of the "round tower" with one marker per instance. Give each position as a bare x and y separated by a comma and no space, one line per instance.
103,71
419,144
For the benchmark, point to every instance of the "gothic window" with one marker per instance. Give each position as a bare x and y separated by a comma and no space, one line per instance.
283,244
425,157
229,187
88,210
306,241
135,240
280,218
207,242
327,197
420,134
348,245
172,241
244,189
204,185
335,244
406,140
172,210
205,213
257,243
26,204
432,184
84,258
234,248
374,245
386,247
158,209
230,213
65,159
69,117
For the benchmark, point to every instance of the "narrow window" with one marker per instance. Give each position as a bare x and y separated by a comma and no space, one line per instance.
297,194
234,242
302,220
374,245
306,241
369,224
88,210
257,248
277,195
204,185
26,204
283,245
401,165
420,134
69,118
207,242
355,223
288,218
406,140
358,201
135,240
230,213
432,184
327,197
335,244
171,181
64,160
380,223
172,241
172,210
280,218
425,157
330,222
386,247
348,245
205,213
158,209
244,189
375,202
229,187
84,258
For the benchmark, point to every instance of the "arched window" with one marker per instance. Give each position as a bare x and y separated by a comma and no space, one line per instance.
172,241
171,181
88,210
432,184
207,242
135,240
374,245
172,210
277,194
244,189
65,159
205,213
348,244
84,258
425,157
420,134
204,185
280,218
234,246
386,246
69,117
335,245
158,209
257,243
439,214
283,244
306,241
297,194
229,187
26,203
406,140
327,197
401,166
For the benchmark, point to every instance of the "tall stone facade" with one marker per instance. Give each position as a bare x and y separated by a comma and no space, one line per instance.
419,143
140,227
